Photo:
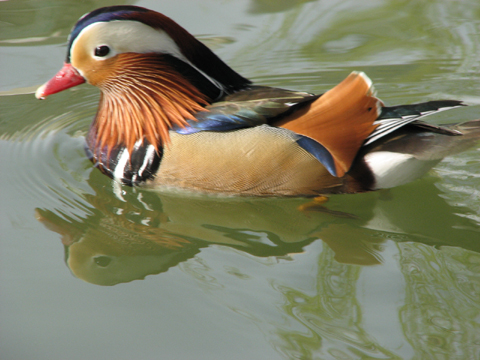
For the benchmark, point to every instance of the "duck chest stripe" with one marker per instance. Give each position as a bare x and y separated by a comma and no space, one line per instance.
147,160
123,157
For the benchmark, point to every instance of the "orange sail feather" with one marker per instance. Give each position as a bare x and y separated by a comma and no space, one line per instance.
340,120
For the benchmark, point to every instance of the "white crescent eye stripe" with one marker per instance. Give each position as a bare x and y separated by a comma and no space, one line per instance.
129,36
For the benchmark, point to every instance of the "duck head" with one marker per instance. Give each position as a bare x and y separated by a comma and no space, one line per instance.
151,72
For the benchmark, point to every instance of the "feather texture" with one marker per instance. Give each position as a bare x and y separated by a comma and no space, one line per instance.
173,114
256,161
340,120
394,117
256,105
142,97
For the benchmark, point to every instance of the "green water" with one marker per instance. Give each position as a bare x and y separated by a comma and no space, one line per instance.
90,270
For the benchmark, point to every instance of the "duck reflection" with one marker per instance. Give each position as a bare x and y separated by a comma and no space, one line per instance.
127,237
142,233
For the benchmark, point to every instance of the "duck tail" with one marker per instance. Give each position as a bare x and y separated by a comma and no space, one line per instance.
429,142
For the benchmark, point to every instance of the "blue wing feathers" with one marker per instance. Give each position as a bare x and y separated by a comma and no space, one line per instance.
319,151
207,121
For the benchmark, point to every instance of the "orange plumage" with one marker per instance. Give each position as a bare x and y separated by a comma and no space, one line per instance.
341,119
143,97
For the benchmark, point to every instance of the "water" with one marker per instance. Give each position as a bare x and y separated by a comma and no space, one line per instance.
90,270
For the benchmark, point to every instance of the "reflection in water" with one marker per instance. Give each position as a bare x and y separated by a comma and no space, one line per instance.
442,305
332,315
135,233
438,316
121,240
440,311
129,236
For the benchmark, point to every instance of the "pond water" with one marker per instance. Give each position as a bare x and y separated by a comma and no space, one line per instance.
90,270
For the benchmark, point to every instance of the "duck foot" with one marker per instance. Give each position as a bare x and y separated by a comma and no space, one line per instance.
315,203
316,206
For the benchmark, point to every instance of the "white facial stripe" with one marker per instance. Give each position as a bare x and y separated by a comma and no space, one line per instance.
130,36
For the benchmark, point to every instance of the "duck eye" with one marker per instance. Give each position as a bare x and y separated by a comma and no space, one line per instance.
102,50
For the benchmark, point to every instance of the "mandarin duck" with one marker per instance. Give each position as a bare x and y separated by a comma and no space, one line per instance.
173,115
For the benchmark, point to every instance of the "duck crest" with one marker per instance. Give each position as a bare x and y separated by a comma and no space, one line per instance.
194,51
142,98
